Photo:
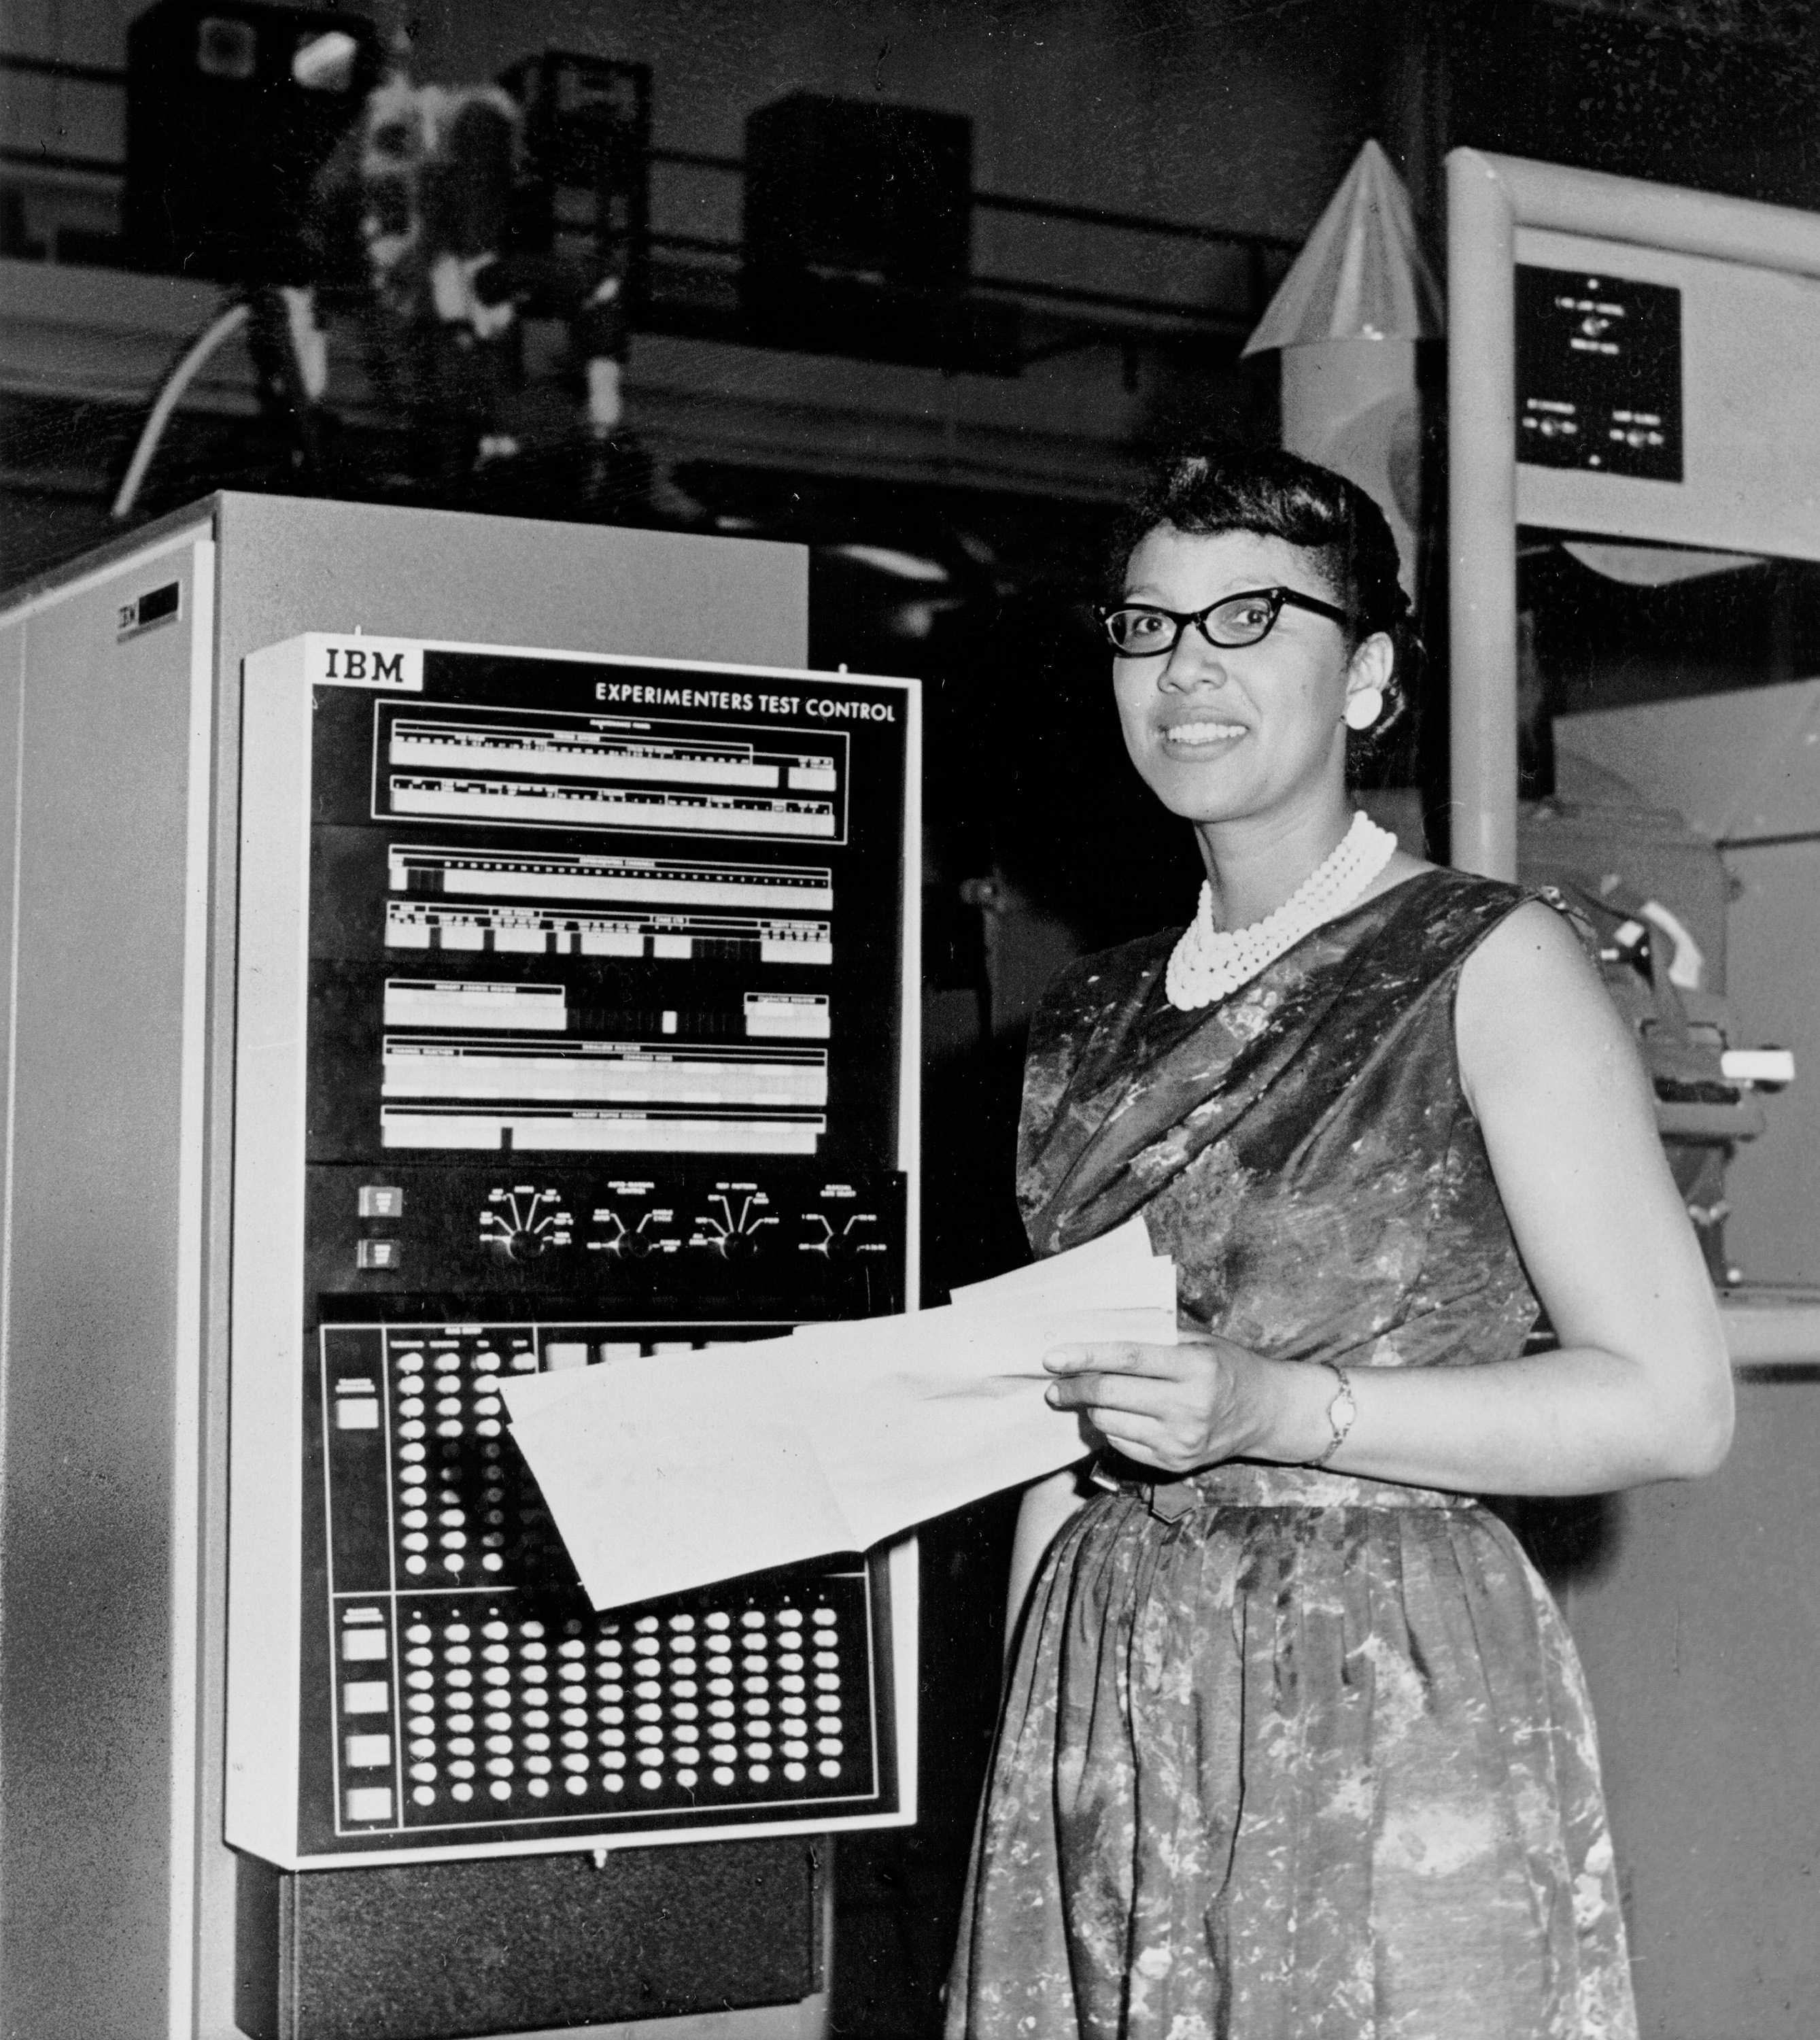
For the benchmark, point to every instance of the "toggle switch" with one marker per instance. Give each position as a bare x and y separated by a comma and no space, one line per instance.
380,1200
379,1254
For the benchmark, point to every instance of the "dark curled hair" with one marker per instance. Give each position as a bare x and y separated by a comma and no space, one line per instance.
1205,490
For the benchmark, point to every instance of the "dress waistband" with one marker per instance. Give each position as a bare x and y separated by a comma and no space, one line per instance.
1254,1484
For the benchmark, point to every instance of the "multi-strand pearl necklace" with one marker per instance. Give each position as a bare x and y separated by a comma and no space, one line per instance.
1209,962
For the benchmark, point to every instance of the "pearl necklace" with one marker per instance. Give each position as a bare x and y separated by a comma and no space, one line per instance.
1209,962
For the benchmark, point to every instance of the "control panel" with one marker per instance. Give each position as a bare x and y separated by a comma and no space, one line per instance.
770,1242
472,1685
576,1021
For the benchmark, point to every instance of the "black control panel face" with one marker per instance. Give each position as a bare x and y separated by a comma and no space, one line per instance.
605,1055
473,1690
536,929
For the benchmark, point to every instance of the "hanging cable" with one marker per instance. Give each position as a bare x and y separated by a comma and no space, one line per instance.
223,327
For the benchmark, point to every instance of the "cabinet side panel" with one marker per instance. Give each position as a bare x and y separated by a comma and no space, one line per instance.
12,676
93,1274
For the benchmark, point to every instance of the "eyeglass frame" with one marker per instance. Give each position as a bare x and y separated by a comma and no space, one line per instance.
1278,598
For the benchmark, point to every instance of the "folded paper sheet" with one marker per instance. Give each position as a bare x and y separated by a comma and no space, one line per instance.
675,1470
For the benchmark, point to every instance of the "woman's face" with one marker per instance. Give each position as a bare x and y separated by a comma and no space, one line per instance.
1220,734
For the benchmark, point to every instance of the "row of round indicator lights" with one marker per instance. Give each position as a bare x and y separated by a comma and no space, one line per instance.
423,1793
449,1362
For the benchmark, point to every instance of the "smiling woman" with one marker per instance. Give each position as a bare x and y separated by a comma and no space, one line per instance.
1295,1743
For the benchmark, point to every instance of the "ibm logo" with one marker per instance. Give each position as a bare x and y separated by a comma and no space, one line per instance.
373,662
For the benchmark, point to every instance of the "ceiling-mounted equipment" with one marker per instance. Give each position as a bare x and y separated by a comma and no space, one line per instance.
858,233
232,106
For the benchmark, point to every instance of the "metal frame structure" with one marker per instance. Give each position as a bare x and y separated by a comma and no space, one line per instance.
1489,198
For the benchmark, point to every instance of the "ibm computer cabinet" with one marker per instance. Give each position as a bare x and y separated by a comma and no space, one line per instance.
434,947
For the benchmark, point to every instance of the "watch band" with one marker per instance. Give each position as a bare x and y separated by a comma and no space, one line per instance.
1340,1412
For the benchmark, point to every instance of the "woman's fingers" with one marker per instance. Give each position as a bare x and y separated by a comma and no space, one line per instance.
1135,1394
1168,1405
1159,1362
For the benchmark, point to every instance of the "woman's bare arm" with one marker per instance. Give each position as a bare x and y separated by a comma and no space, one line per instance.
1640,1388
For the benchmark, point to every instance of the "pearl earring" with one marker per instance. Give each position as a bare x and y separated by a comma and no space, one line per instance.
1363,707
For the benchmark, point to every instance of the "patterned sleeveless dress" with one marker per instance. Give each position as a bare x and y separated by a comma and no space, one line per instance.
1288,1755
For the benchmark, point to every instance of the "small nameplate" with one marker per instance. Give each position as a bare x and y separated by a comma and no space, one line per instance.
392,663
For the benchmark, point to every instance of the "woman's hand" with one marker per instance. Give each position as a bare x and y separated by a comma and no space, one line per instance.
1177,1407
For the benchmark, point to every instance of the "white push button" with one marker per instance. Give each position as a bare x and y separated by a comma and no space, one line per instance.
366,1697
370,1803
368,1753
367,1643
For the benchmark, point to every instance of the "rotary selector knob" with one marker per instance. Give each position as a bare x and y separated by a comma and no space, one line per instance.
525,1222
634,1231
837,1230
735,1223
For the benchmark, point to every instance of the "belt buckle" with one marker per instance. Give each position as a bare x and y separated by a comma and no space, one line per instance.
1168,1500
